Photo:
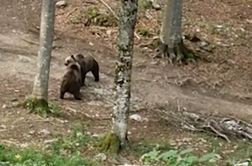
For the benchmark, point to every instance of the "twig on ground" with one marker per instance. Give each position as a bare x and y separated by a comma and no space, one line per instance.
49,121
217,132
178,105
105,4
71,109
68,14
112,11
29,41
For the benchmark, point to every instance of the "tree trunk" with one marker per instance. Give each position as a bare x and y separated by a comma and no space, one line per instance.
171,44
39,97
117,137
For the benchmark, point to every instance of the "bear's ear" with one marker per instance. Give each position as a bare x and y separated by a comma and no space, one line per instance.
80,56
72,56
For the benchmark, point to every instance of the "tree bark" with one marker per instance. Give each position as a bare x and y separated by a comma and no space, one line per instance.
40,87
122,81
171,42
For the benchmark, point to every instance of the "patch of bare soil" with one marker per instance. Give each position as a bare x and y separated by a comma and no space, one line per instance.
219,86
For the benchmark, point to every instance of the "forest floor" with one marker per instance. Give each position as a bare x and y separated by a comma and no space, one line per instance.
219,85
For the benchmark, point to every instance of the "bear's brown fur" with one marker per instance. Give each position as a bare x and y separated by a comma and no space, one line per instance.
87,64
71,81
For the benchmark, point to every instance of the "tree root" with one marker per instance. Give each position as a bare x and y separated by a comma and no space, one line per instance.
110,143
177,53
223,127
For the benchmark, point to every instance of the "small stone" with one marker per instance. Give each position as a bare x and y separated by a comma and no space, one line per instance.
31,132
24,58
2,126
155,5
154,63
4,106
50,141
101,157
136,117
204,44
45,132
24,145
61,4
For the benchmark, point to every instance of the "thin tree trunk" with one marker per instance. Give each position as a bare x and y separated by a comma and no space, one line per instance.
40,87
117,137
38,101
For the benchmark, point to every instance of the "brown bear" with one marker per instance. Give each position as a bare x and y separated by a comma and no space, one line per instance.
71,81
87,64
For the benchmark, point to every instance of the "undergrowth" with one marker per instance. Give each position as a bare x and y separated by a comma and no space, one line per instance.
63,151
177,158
10,156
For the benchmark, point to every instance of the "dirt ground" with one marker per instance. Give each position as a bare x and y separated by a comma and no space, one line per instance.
220,86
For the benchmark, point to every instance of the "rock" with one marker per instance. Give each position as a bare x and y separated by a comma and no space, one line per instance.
4,106
95,103
3,127
45,132
204,44
98,135
155,5
31,132
50,141
136,117
25,145
24,58
101,157
61,4
154,62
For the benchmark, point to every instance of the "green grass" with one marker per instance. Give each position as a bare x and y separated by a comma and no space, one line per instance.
65,151
10,155
147,145
74,150
75,141
231,153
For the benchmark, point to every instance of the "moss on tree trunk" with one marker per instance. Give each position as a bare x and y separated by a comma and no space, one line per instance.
110,143
117,137
37,102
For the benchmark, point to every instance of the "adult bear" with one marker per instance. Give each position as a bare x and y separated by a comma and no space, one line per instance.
87,63
71,81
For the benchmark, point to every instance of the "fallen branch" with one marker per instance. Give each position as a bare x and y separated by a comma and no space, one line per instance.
223,127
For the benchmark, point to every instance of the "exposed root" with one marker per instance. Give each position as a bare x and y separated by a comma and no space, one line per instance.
223,127
175,53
